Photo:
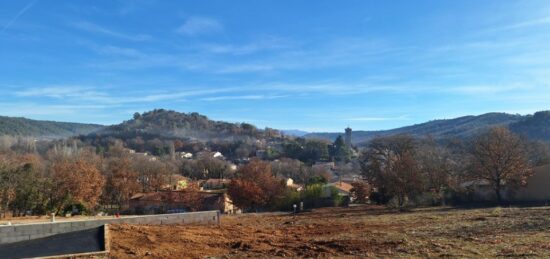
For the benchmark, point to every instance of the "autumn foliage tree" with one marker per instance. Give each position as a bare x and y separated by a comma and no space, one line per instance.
361,191
499,157
121,181
389,164
76,180
190,196
255,187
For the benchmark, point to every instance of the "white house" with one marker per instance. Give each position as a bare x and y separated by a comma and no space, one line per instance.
183,155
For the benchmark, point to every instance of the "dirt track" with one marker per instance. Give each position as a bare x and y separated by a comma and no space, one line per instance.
347,232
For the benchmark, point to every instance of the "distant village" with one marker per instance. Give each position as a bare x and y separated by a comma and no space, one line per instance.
338,176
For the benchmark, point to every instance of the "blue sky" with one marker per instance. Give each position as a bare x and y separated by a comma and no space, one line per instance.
311,65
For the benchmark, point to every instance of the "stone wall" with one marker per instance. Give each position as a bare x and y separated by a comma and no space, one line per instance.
16,233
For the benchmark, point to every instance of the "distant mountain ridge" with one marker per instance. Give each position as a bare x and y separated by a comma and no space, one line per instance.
16,126
535,126
162,123
295,132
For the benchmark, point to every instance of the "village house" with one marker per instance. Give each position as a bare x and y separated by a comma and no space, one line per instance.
343,188
219,200
146,155
157,203
184,155
173,202
215,184
175,182
290,183
326,166
536,189
129,151
215,154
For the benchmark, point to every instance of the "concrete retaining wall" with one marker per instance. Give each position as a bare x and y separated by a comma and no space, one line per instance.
16,233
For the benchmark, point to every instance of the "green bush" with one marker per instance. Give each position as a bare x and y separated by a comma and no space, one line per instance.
289,198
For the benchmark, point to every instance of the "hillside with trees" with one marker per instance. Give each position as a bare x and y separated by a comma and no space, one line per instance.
13,126
171,124
535,127
163,132
461,127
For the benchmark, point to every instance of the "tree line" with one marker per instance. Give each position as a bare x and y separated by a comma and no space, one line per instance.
46,177
405,170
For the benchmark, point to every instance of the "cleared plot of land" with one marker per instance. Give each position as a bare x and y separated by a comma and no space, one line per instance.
356,232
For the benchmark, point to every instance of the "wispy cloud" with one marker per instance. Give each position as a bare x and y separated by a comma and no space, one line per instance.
286,55
259,45
195,25
61,92
524,24
26,109
94,28
118,51
242,97
90,94
19,14
487,89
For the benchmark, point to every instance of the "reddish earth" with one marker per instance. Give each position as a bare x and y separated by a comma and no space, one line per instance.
356,232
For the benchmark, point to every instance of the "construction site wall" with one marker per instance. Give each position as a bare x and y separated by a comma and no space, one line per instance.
22,232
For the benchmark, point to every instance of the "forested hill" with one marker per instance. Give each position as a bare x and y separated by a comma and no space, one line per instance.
43,129
536,126
461,127
162,123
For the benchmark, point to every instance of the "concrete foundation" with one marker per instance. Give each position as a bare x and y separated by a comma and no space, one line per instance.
17,233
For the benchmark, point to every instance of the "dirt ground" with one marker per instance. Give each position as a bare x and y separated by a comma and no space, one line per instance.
355,232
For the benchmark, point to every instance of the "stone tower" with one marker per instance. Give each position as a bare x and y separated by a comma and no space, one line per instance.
348,137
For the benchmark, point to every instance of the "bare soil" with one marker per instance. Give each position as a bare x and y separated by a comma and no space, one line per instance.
355,232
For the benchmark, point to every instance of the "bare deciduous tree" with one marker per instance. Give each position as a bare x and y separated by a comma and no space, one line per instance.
499,157
438,168
389,164
121,181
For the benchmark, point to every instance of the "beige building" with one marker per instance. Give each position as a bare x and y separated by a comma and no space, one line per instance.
536,190
538,186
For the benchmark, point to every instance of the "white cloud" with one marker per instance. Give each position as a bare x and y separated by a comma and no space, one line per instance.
90,27
199,25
